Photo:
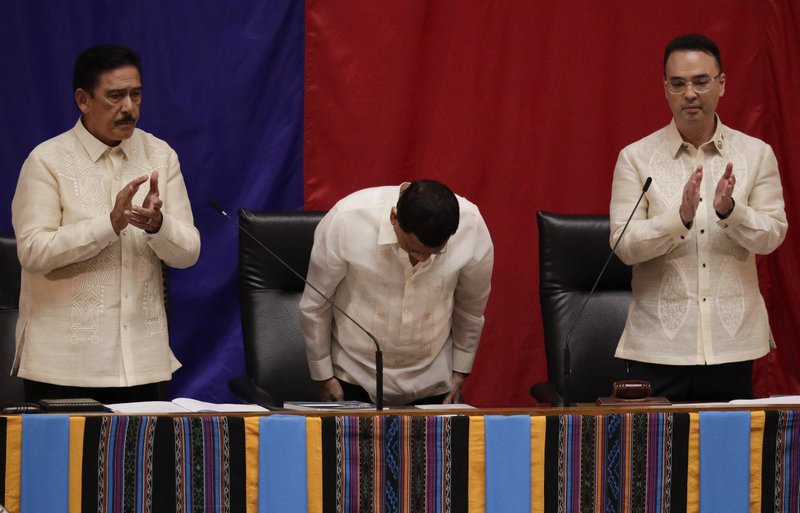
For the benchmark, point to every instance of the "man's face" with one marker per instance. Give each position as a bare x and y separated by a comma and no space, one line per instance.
111,111
691,109
408,242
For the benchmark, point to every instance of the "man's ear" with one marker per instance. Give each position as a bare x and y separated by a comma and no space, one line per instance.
82,100
393,216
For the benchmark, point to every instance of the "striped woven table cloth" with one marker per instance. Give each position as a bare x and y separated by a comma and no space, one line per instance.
711,461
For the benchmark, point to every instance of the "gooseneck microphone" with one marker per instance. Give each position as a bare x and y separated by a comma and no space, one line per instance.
567,363
378,353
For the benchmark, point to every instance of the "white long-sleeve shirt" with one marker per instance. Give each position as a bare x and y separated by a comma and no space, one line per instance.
91,301
695,291
427,318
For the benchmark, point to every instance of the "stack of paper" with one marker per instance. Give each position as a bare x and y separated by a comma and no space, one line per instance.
183,405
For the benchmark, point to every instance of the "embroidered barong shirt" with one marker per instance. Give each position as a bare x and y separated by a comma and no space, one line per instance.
91,301
427,318
696,298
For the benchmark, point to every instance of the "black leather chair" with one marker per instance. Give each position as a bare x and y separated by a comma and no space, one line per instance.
275,357
10,271
572,251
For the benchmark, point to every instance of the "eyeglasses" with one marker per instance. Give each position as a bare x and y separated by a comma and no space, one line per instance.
701,84
424,255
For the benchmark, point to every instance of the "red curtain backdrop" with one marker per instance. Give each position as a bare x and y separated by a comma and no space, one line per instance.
524,105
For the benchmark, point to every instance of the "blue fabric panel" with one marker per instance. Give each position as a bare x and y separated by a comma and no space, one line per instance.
508,464
282,469
725,461
223,85
44,484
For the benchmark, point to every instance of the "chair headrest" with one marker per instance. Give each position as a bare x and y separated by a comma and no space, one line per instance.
290,235
572,252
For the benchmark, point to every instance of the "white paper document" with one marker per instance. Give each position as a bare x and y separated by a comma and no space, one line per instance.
183,405
778,399
454,406
327,405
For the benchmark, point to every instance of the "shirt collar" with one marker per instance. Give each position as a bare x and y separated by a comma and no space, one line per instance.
94,147
676,143
719,137
386,233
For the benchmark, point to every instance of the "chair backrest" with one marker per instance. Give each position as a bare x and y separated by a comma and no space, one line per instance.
572,251
274,346
10,273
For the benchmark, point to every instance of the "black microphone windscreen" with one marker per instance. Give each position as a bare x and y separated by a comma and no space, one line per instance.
647,183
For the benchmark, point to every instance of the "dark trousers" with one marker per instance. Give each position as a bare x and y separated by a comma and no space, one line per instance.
697,383
356,393
36,390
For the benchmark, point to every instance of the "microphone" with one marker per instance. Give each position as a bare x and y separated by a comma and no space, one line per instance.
567,363
378,353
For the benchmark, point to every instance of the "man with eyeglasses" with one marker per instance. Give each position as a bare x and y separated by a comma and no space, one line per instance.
697,320
413,265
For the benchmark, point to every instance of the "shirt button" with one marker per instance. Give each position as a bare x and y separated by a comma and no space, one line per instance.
704,264
701,198
682,237
125,326
704,300
702,231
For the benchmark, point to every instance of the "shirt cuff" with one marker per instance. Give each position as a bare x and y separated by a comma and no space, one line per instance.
734,219
321,370
103,231
675,227
164,231
462,361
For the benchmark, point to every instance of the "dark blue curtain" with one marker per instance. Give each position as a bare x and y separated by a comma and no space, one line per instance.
223,84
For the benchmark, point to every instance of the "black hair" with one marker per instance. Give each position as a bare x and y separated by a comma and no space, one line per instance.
429,210
697,42
99,59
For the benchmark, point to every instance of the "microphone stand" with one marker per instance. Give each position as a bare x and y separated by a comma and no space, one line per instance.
567,363
378,353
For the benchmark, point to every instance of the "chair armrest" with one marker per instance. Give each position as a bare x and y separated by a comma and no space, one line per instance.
545,392
248,392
